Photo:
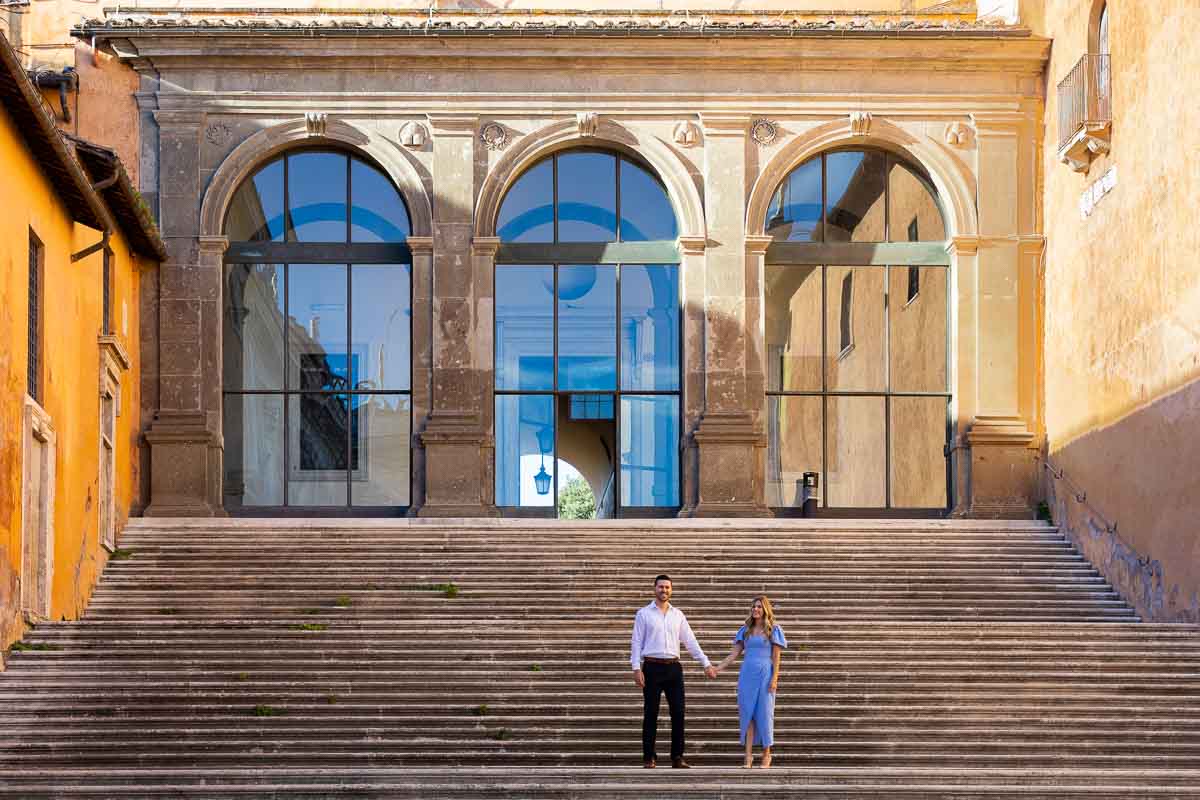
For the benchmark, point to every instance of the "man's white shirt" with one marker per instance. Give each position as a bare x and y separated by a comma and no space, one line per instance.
658,635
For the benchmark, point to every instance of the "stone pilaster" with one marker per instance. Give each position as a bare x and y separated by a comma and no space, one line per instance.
185,436
422,355
730,438
1003,470
457,461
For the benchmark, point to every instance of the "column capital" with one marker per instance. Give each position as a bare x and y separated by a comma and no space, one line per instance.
757,244
422,245
725,124
485,245
963,246
213,245
999,123
453,124
994,429
693,245
179,118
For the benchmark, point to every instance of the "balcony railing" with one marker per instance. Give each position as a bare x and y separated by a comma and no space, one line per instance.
1084,98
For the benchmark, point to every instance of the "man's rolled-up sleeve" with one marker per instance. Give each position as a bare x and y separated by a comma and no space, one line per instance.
635,646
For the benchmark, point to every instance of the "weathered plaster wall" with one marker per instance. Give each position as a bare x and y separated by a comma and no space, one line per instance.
71,380
1122,305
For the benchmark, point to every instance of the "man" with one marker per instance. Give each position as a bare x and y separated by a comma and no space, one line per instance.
658,629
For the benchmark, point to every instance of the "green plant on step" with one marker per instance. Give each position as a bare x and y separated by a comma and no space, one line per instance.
243,676
1043,513
480,710
343,601
120,554
331,698
310,626
263,710
503,734
535,668
104,712
40,647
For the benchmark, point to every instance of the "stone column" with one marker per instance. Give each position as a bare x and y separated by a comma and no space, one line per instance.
730,437
422,355
1003,470
456,454
185,436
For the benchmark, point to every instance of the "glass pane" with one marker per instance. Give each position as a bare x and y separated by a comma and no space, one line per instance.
650,450
527,213
380,425
317,196
253,427
377,213
918,328
918,457
855,441
650,327
915,216
793,328
587,327
587,197
317,351
381,324
253,320
795,211
855,196
256,211
318,427
854,328
524,450
793,448
646,213
524,327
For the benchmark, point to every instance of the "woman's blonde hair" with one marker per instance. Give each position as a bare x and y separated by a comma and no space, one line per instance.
768,615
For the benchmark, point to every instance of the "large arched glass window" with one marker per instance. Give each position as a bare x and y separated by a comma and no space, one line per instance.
317,338
857,327
587,339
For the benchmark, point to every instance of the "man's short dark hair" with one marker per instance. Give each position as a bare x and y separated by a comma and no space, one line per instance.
661,578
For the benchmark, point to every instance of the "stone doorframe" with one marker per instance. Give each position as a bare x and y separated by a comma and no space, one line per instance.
990,281
114,361
683,187
186,435
38,456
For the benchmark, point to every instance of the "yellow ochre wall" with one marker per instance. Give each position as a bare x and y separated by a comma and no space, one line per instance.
1122,307
71,381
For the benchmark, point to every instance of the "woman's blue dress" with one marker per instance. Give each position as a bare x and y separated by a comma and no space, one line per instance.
755,702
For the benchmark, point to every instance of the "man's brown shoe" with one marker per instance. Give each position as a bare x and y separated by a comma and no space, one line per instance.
650,763
679,763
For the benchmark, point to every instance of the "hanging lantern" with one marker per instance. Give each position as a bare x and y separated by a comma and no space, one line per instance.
542,480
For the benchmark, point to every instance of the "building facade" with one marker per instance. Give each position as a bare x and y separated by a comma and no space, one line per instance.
424,263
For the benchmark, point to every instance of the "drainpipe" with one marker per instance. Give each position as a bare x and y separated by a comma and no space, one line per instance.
67,80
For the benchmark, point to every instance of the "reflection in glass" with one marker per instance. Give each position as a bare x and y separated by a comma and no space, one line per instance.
587,197
793,328
256,211
377,214
524,327
855,192
914,210
318,453
646,212
855,329
253,428
919,437
317,196
918,331
524,448
253,347
795,211
527,213
856,443
380,425
381,324
649,450
587,327
650,327
317,350
793,448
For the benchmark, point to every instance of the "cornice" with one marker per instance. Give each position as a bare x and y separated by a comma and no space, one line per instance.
757,244
453,124
420,245
693,245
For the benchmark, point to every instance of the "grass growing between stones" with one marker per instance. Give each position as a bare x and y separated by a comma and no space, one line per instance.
480,710
121,554
310,626
502,735
243,676
26,647
262,710
535,668
343,601
104,712
448,589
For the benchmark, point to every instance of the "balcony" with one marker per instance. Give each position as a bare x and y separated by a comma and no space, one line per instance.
1085,112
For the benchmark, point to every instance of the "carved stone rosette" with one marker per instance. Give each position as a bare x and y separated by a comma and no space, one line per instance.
493,136
764,131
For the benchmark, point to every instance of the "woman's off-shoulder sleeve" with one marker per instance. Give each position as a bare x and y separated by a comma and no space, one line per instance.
777,637
740,636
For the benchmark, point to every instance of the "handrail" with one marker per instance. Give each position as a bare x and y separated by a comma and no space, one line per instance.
1079,494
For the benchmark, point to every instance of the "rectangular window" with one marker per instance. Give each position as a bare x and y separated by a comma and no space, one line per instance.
591,406
106,293
35,317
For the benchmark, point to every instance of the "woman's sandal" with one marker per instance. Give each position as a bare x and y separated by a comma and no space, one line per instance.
748,762
766,761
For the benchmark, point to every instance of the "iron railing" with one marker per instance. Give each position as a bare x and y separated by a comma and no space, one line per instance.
1084,97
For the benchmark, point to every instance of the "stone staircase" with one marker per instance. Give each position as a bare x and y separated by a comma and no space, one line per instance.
489,658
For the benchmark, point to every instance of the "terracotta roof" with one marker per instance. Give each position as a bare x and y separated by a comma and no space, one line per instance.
545,24
35,122
121,198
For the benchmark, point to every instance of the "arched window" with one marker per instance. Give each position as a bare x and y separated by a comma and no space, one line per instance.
857,293
587,338
317,338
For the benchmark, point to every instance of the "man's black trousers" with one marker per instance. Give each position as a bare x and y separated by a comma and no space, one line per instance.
662,678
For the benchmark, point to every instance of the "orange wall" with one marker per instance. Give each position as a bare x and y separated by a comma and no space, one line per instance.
71,381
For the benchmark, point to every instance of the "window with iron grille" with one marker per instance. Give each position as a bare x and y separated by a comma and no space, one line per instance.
35,308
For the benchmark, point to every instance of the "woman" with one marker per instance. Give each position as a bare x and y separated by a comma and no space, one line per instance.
763,643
